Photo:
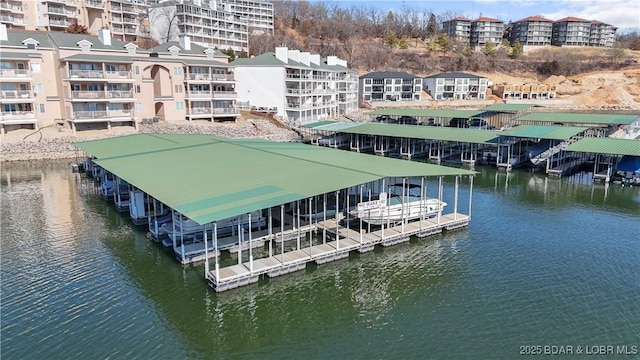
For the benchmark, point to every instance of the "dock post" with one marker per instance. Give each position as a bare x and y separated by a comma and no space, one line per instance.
470,194
439,199
240,234
404,199
271,233
281,233
361,186
455,200
215,247
206,253
324,218
250,247
310,227
337,211
386,205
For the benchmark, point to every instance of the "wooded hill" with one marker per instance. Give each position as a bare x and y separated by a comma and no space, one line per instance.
373,40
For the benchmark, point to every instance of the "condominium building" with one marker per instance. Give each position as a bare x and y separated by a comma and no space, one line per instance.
15,13
486,30
458,28
99,81
390,86
532,31
455,86
257,13
26,85
300,87
601,34
571,31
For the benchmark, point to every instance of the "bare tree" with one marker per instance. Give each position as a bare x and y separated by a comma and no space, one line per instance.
164,22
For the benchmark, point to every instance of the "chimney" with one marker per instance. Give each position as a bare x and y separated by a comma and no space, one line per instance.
304,58
185,42
332,60
314,59
281,54
3,32
294,55
104,36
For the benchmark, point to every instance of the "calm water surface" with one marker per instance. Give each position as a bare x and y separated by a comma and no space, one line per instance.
544,262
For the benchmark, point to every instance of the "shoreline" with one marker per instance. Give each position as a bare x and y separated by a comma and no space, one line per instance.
55,142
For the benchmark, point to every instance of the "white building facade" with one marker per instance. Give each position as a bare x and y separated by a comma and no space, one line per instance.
456,86
298,86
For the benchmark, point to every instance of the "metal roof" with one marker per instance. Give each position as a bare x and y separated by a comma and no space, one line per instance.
99,58
544,131
605,119
454,75
512,108
9,55
425,132
427,113
331,125
605,145
209,179
389,75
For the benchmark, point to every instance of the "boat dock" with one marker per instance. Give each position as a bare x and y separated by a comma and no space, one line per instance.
348,240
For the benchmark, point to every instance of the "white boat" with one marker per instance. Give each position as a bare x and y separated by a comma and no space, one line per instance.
396,207
187,229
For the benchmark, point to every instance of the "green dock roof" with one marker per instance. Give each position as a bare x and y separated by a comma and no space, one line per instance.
209,179
544,131
509,108
425,132
465,114
577,118
331,125
606,146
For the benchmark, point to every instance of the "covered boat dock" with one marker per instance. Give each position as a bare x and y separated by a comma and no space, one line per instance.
209,180
608,152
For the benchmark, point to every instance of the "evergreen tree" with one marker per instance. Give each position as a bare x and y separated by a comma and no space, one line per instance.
75,28
516,50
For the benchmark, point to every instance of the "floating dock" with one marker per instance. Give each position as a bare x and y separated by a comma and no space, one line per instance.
348,240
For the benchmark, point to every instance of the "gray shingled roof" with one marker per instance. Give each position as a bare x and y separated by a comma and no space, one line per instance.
388,75
195,49
15,38
455,75
65,40
270,59
9,55
99,58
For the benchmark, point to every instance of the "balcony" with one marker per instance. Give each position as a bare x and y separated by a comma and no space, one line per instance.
202,94
122,74
100,114
101,95
17,115
225,94
199,77
10,19
96,4
12,7
60,11
225,111
222,77
17,95
59,22
22,74
200,111
86,74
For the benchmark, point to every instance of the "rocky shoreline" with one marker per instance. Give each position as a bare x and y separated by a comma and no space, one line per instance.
56,142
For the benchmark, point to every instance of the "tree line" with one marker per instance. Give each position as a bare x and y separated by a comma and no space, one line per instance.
371,39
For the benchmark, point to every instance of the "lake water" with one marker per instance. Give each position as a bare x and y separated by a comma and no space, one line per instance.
544,262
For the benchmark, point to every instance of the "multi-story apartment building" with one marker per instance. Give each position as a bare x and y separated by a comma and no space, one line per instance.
208,87
14,13
486,30
571,31
458,28
27,89
390,86
97,81
455,85
127,19
300,87
225,24
532,31
601,34
258,13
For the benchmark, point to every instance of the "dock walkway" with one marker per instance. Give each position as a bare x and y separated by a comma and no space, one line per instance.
339,247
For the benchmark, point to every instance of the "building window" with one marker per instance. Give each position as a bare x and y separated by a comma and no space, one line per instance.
35,68
138,89
177,71
367,81
138,106
41,108
179,105
136,69
37,88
